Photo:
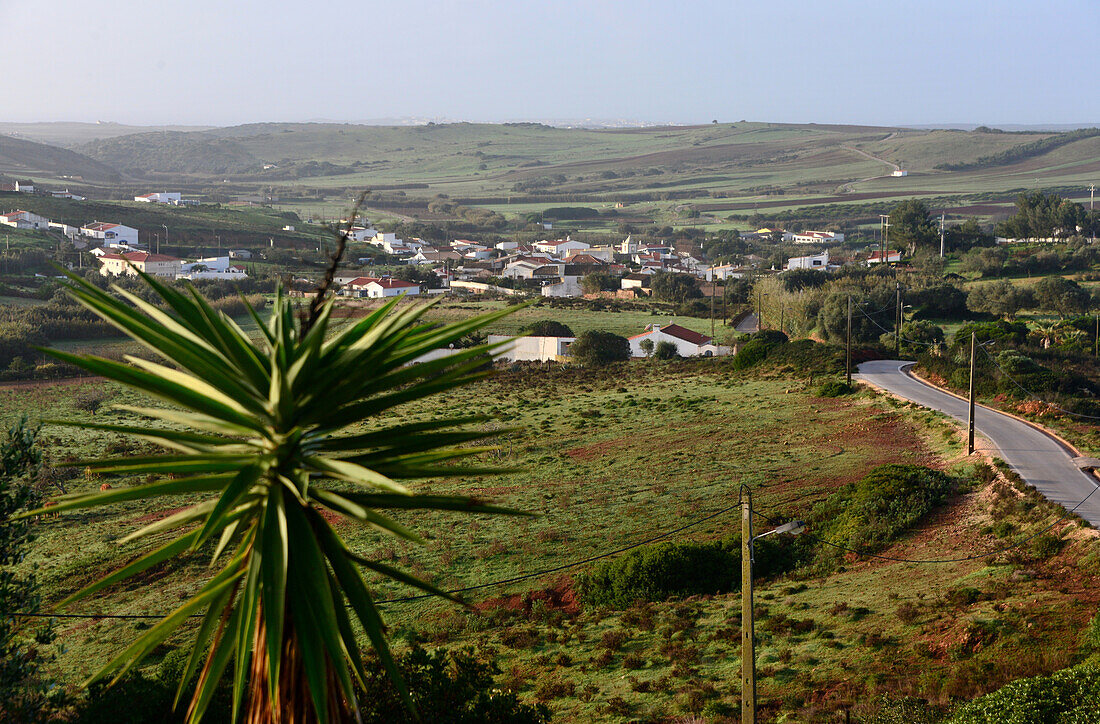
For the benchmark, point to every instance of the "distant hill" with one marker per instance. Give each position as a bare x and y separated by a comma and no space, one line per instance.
70,134
19,157
174,152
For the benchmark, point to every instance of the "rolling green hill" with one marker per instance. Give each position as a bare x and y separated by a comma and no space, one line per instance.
19,157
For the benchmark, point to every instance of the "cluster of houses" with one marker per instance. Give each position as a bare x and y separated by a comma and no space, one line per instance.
27,187
119,262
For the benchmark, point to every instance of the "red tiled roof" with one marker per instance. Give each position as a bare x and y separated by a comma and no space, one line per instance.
675,330
100,226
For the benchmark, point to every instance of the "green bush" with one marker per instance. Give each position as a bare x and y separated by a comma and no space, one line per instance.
656,572
595,348
868,514
1070,696
835,388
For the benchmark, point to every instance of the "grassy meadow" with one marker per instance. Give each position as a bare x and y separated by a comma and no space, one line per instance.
605,459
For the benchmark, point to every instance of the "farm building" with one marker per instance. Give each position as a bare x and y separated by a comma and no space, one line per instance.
818,237
160,197
25,220
160,265
688,343
533,349
892,257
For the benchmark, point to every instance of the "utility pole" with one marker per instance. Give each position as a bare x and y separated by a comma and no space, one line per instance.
782,314
897,322
941,235
1092,220
748,648
970,417
712,285
848,345
1096,337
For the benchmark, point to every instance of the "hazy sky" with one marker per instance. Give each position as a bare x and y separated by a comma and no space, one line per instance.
236,61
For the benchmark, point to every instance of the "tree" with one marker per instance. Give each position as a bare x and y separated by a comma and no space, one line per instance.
261,430
910,225
1062,296
548,328
599,282
23,686
646,346
666,350
596,349
1001,298
674,288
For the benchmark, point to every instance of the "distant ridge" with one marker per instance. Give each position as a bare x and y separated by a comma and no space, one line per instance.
27,158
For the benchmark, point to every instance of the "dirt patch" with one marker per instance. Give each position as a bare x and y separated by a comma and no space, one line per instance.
560,596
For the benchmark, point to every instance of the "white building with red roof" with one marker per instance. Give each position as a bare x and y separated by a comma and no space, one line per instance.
818,237
130,263
892,257
688,342
379,287
25,220
110,234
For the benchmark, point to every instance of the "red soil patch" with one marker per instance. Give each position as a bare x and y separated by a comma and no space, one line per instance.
559,597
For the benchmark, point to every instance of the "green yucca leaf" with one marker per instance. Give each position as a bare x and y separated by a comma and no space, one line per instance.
266,434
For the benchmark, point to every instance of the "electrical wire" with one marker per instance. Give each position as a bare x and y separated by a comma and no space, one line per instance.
405,599
894,332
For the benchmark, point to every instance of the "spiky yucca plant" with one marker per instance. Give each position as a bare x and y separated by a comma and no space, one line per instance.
265,432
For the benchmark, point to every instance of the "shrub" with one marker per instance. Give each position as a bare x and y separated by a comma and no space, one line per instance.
666,350
869,513
1064,697
653,573
548,328
595,348
835,388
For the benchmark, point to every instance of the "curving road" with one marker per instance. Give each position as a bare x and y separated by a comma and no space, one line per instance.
1040,459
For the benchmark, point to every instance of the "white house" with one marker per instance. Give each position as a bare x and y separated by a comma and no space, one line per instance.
533,349
25,220
567,286
66,195
561,247
816,261
532,269
376,288
381,238
900,173
240,254
817,237
160,265
359,233
688,343
725,271
110,234
160,197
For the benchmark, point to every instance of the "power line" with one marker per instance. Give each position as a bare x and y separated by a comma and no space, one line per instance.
405,599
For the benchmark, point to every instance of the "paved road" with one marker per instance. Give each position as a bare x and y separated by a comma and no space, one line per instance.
750,323
1038,458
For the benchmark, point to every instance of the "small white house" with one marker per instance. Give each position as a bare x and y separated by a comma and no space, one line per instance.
688,343
818,237
900,173
240,254
561,247
816,261
160,197
110,234
25,220
567,286
360,233
214,267
533,349
69,231
66,195
377,288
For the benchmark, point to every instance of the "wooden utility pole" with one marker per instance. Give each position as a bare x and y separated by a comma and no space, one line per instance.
748,645
897,322
941,235
848,345
970,417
